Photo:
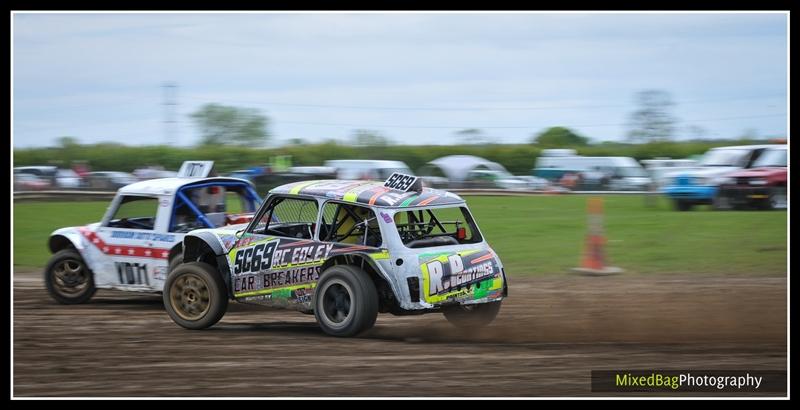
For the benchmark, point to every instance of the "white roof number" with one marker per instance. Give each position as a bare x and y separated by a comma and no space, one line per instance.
403,182
195,169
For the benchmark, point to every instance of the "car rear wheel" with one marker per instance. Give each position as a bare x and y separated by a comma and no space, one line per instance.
195,296
345,301
472,316
67,278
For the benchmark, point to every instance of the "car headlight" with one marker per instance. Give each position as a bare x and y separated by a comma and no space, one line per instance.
758,182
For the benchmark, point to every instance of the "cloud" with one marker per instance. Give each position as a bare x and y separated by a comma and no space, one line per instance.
81,70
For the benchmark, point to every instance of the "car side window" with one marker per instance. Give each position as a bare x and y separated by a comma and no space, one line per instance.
289,217
346,223
135,212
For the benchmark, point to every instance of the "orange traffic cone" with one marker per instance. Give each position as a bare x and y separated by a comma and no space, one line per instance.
594,258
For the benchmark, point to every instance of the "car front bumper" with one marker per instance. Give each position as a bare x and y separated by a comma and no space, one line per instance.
743,195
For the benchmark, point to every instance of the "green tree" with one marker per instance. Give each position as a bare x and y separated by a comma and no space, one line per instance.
559,137
652,121
221,124
68,142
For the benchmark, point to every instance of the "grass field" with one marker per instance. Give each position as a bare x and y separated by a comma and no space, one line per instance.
543,234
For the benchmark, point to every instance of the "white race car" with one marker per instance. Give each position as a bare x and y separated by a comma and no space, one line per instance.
140,237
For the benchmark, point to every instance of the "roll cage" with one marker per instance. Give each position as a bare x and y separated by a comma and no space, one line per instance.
182,199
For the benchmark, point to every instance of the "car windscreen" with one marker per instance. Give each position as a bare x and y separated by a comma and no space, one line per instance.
423,228
724,158
771,158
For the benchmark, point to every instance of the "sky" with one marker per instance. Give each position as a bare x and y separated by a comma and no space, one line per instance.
415,78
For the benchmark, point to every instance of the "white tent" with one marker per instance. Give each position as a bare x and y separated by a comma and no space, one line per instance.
457,167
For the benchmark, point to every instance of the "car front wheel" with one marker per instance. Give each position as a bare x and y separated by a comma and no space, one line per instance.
345,301
194,295
777,198
67,278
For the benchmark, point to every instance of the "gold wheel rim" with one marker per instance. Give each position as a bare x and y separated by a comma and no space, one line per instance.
70,278
190,297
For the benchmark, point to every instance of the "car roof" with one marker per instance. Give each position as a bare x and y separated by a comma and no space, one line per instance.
369,193
39,167
779,146
168,186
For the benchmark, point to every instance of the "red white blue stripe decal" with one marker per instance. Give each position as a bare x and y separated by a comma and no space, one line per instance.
123,250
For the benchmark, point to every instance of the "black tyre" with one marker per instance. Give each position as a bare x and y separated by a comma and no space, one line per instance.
777,199
472,316
67,278
175,262
683,205
345,301
194,295
721,202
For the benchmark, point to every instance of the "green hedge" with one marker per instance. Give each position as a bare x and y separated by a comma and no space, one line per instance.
517,158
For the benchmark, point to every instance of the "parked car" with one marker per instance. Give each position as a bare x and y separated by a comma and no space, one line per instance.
616,173
762,187
46,173
489,178
153,173
432,181
29,182
140,238
67,178
312,170
539,184
344,251
367,169
247,174
660,169
109,179
700,185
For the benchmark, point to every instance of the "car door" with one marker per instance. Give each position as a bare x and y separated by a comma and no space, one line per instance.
277,259
129,237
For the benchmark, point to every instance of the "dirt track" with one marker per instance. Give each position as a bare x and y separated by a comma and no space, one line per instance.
550,333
